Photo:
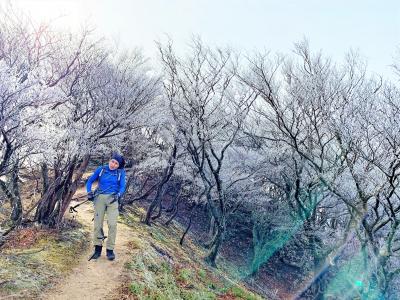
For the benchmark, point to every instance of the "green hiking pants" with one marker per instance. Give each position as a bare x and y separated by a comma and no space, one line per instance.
102,206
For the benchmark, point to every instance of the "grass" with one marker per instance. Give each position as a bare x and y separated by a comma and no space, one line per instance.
35,257
160,269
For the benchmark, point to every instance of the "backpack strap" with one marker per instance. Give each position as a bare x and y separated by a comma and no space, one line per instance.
101,172
118,171
119,176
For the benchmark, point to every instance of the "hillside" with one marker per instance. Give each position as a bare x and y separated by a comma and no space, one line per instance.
52,264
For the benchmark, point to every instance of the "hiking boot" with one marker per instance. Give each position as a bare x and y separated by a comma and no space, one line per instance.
110,254
97,252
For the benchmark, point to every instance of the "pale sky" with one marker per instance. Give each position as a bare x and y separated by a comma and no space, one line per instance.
371,27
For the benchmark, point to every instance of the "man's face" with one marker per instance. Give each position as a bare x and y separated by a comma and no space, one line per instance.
113,164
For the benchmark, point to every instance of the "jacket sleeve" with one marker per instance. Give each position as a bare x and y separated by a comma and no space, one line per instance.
92,179
122,184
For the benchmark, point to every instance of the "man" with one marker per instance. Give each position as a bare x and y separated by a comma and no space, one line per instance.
111,187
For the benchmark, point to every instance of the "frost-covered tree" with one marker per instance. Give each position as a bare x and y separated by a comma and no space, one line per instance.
333,120
100,101
209,106
27,85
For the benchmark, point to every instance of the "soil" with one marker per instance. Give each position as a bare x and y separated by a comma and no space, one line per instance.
95,279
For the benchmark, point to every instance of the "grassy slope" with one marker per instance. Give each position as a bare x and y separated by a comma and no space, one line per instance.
33,258
161,269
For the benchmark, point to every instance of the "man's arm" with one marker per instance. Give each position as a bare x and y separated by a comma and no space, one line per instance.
122,184
92,179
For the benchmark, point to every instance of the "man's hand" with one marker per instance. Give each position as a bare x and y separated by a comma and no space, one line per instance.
119,200
90,196
120,207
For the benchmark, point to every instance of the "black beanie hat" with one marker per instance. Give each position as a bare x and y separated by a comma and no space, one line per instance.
120,159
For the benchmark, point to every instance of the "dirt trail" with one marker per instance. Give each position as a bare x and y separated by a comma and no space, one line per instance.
93,279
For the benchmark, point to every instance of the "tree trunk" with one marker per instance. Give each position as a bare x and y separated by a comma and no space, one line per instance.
45,178
55,201
6,153
48,202
189,224
220,224
167,173
175,211
212,256
66,200
11,190
155,203
16,215
159,207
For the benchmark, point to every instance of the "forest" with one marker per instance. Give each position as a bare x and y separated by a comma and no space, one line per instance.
287,164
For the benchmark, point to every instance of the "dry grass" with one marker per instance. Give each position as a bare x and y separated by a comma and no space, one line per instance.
161,269
158,268
32,258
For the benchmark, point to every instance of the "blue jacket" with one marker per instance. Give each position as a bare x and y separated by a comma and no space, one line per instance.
108,182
